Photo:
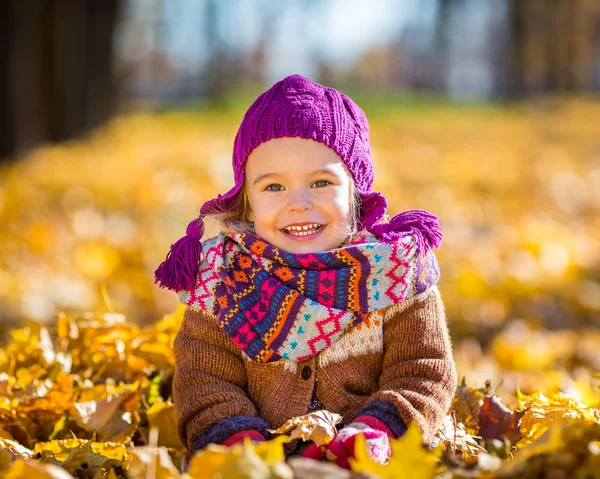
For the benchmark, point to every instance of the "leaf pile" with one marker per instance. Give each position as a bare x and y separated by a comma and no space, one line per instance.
90,398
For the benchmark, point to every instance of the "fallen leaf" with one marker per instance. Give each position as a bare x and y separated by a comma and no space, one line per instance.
458,440
409,460
244,460
318,426
466,404
163,417
496,421
152,462
15,448
25,469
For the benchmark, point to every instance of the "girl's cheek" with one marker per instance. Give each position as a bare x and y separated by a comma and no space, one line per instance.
342,201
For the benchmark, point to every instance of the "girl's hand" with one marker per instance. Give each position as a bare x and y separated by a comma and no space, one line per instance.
342,445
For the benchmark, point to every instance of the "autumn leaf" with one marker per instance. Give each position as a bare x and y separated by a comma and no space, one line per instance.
163,417
496,421
153,462
466,404
272,451
6,457
109,417
16,449
60,449
458,440
409,460
543,411
22,469
261,461
318,426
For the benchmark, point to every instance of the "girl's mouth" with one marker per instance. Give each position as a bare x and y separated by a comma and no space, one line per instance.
303,231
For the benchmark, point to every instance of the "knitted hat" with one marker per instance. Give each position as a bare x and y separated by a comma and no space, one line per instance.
298,107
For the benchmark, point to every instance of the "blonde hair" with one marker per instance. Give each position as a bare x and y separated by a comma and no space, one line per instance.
238,219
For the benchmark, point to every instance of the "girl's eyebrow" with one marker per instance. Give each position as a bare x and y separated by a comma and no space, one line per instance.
322,171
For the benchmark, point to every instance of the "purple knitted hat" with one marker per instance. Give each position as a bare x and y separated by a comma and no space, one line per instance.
298,107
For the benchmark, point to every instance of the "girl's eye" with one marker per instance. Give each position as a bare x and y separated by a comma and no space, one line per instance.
274,187
321,183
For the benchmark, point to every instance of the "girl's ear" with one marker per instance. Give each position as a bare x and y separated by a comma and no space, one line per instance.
251,216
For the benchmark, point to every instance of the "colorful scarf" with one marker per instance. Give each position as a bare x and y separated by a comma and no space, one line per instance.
274,304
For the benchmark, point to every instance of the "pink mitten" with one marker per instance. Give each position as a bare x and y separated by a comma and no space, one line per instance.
314,452
240,436
377,439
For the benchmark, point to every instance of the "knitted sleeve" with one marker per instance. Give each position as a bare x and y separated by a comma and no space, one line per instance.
209,384
418,377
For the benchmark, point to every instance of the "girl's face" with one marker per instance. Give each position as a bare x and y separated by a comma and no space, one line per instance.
299,193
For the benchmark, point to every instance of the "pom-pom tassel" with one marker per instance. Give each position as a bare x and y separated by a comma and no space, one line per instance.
420,223
178,271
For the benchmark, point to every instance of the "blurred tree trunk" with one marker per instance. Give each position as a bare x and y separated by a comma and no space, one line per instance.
55,70
553,45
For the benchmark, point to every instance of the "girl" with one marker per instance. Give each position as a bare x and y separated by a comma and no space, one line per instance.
307,299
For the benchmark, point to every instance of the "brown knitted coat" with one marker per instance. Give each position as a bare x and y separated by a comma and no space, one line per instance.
401,355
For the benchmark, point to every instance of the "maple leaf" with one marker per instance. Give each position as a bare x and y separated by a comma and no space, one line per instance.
543,411
409,460
152,462
458,440
60,449
22,469
163,417
16,449
318,426
496,421
261,461
112,418
466,404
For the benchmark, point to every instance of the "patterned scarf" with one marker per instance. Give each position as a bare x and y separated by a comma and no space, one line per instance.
274,304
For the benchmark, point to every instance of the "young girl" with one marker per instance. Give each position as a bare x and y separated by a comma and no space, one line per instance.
307,299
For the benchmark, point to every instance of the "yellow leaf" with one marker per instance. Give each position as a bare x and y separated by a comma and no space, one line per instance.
6,458
163,417
94,415
158,354
60,449
240,461
458,440
153,462
467,405
22,469
209,461
271,451
66,328
318,427
27,376
549,442
15,448
409,458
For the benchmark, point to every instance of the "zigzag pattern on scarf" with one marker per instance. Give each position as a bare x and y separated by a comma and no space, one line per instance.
274,304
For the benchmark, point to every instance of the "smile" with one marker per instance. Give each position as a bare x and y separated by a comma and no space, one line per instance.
304,230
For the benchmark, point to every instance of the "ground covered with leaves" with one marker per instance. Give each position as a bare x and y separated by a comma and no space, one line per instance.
86,393
90,397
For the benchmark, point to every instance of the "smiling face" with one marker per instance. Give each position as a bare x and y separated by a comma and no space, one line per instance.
299,191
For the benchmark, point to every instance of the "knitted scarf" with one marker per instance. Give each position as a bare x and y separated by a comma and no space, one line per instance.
274,304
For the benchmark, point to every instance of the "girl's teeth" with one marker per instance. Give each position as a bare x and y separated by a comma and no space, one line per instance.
303,230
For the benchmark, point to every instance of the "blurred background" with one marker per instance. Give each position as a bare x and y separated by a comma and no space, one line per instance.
117,121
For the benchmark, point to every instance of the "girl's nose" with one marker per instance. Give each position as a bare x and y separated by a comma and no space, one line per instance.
299,202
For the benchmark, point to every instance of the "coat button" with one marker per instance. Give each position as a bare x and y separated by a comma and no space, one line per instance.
306,372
